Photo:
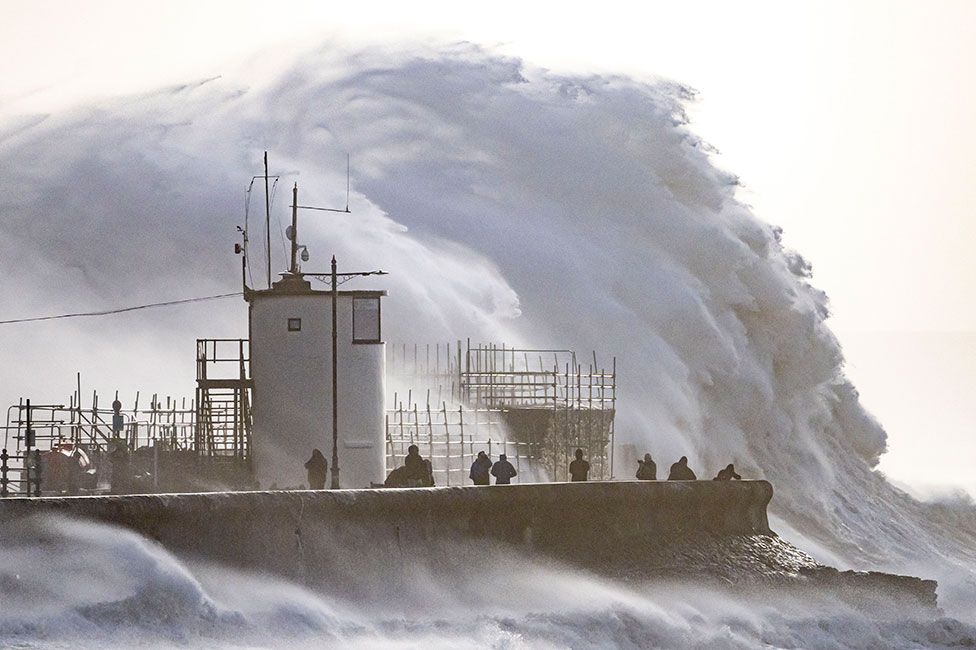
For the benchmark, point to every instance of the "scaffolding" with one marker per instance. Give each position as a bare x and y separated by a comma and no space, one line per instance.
223,400
549,403
451,438
176,444
32,430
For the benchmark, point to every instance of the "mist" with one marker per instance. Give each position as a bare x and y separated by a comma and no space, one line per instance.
124,591
507,203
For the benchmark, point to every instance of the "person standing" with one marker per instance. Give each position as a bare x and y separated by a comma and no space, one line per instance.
318,468
481,469
503,471
579,469
646,469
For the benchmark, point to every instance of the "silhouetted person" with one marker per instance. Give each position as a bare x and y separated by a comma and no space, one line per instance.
681,472
727,474
503,471
429,476
318,468
646,469
481,469
579,469
121,468
416,469
397,478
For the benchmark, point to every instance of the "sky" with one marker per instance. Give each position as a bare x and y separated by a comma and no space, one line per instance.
848,123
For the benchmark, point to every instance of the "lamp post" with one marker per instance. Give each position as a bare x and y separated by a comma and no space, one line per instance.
334,278
334,281
335,380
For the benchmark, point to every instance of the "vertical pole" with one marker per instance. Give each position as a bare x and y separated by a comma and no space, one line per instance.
447,436
613,412
569,422
589,421
267,215
578,407
391,453
81,429
135,417
430,437
294,232
29,433
3,473
335,361
461,429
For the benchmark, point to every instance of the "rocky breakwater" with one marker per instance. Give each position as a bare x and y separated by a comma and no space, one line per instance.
367,542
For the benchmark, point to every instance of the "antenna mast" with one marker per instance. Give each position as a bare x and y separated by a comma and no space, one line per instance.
267,215
294,229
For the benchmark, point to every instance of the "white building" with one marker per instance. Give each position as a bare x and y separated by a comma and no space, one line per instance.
291,365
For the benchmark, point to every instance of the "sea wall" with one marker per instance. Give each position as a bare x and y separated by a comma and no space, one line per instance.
592,523
379,543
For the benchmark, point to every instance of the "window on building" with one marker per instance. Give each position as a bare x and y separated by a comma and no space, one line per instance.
366,320
294,324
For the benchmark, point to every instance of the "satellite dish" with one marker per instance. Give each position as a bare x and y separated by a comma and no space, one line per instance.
289,233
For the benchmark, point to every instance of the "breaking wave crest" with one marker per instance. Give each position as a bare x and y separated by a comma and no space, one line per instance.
508,203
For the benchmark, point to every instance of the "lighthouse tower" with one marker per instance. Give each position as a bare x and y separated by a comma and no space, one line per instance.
318,366
291,364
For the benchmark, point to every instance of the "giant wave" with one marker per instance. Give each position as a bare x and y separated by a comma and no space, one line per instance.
509,204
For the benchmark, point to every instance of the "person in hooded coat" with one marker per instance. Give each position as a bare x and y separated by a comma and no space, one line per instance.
681,472
727,474
503,471
646,469
481,469
414,462
579,469
318,468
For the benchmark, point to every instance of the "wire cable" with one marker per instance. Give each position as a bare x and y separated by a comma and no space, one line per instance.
123,310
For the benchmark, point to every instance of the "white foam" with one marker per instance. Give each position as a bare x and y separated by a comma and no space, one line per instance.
507,203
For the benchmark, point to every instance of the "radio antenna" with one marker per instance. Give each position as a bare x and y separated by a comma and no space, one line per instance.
347,182
267,215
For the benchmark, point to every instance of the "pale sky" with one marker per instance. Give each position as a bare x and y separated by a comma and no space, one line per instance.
849,123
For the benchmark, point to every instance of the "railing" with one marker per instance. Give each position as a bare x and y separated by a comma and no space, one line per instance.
28,481
223,358
223,399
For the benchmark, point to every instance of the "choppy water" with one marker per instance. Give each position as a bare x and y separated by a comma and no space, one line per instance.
88,585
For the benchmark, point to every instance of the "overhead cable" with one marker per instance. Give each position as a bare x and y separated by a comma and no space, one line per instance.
123,310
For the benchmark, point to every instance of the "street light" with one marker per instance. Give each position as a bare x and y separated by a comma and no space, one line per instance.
334,278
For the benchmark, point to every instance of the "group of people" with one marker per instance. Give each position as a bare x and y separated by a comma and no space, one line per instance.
647,471
482,469
417,471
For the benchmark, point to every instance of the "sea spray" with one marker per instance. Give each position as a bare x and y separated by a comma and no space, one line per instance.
126,591
509,204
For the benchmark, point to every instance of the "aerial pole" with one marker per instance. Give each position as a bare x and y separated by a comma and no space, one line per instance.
294,230
267,216
335,380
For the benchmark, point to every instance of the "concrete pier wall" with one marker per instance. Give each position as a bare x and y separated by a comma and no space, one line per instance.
304,532
382,544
